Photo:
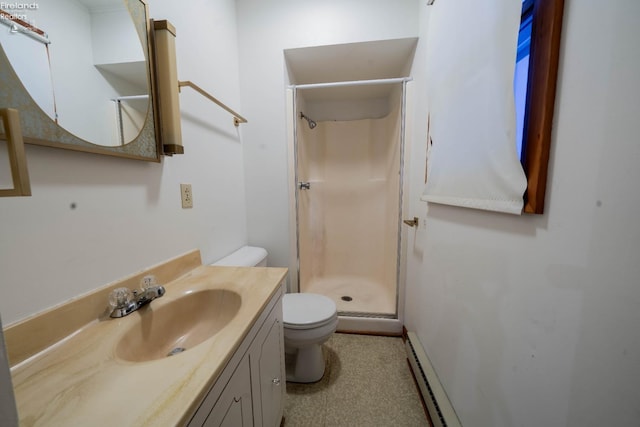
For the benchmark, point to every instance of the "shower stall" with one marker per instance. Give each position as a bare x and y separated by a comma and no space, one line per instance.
347,149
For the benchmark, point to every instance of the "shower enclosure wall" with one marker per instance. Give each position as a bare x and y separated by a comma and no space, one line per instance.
348,175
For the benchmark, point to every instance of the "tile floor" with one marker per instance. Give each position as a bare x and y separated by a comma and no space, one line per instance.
367,382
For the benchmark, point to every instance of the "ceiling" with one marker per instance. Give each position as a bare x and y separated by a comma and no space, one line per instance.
350,62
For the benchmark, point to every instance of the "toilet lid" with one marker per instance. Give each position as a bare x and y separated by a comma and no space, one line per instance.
303,310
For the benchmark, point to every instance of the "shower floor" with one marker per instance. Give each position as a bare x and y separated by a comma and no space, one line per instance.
366,296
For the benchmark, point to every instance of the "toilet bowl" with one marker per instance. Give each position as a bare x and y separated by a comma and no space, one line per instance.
309,321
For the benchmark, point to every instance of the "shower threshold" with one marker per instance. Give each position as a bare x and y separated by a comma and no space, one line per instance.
369,323
367,315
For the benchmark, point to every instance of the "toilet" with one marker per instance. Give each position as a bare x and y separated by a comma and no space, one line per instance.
309,321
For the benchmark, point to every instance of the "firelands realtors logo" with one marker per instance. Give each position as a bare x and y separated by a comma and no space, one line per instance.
17,12
18,6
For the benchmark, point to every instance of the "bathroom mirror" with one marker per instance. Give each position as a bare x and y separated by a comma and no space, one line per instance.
79,72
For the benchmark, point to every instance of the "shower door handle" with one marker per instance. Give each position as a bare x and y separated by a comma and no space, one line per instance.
304,185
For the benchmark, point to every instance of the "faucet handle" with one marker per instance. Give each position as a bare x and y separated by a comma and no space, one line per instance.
149,289
121,302
147,281
120,298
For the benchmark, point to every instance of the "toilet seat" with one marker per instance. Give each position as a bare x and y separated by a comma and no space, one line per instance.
307,311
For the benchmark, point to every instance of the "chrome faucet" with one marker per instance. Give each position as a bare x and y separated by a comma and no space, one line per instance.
124,301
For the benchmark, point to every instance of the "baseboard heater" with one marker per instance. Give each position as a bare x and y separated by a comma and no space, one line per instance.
434,396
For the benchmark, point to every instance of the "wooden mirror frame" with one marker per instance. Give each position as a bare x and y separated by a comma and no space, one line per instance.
541,93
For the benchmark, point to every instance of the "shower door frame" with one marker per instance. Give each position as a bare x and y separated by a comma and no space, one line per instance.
365,323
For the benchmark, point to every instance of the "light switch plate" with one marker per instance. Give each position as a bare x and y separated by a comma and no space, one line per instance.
187,196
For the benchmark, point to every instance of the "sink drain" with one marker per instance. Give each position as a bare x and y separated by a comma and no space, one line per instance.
176,351
346,298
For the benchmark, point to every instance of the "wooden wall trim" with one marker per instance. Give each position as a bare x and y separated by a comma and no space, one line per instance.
541,92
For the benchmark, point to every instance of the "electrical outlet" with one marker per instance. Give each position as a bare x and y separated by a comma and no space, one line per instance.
187,196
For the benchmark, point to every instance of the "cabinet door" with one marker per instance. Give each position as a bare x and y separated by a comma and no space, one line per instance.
233,408
272,376
267,370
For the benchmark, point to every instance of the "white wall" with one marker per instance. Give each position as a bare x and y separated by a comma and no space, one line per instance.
128,214
533,320
265,29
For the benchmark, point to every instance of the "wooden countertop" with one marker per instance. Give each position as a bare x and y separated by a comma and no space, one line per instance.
80,381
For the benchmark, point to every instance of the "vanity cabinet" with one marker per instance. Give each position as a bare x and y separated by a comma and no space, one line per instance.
233,408
250,390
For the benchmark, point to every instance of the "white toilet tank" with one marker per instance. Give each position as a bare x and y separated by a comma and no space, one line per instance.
246,256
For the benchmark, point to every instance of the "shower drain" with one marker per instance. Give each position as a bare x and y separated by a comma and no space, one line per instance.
346,298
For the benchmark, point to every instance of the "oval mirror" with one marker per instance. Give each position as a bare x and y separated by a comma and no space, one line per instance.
79,73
